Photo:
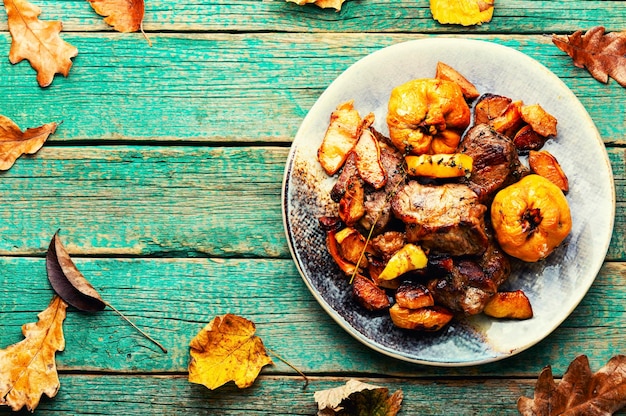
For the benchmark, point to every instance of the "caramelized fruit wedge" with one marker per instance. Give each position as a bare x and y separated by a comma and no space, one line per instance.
448,73
368,295
509,305
424,319
413,296
545,164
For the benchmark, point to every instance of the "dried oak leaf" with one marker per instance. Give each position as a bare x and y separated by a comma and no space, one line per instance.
603,54
324,4
28,368
38,42
579,392
462,12
122,15
14,143
227,350
357,398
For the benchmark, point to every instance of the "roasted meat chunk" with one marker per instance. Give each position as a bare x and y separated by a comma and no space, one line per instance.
467,284
444,219
496,162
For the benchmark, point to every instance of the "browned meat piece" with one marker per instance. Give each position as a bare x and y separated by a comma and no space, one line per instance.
496,162
445,218
468,284
348,172
377,209
388,243
368,295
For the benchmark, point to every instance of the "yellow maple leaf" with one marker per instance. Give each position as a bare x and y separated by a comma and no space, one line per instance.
28,368
462,12
227,350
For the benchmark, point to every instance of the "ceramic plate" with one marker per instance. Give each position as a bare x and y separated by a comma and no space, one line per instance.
554,286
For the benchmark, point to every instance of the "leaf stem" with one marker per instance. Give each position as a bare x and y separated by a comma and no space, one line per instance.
306,379
157,343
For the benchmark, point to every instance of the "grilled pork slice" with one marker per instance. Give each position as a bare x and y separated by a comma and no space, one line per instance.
444,218
468,284
496,162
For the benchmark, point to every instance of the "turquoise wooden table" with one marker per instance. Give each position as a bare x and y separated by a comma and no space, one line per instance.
165,180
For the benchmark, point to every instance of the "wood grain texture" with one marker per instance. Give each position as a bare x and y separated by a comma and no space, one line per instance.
165,178
225,88
270,395
167,395
174,298
184,201
511,16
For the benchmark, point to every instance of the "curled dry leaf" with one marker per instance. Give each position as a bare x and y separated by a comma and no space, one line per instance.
227,350
324,4
357,398
28,369
462,12
122,15
70,284
38,42
14,143
579,392
603,54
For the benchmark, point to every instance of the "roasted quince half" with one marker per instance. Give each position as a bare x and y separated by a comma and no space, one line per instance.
531,218
427,115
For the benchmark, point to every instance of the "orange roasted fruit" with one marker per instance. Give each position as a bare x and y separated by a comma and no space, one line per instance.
531,218
427,115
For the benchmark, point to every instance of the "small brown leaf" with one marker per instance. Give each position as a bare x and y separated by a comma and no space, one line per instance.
68,282
227,350
38,42
580,392
14,143
122,15
28,368
357,398
603,54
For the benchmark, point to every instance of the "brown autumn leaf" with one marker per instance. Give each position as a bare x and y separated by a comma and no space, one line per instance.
357,398
603,54
324,4
68,282
72,286
28,368
579,392
38,42
122,15
227,350
14,143
462,12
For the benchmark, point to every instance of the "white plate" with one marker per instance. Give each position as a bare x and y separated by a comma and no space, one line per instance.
554,286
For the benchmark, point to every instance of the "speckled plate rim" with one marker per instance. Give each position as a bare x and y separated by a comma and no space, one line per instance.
333,95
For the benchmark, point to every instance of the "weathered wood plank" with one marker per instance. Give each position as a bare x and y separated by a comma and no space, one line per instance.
513,16
174,298
166,201
174,395
245,88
